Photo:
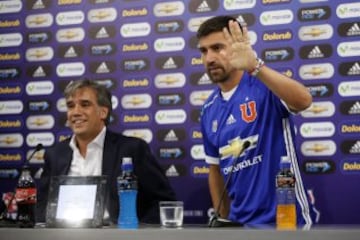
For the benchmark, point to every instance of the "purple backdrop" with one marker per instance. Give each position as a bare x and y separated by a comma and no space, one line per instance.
145,52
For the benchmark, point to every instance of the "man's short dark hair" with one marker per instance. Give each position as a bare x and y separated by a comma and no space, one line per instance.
215,24
102,93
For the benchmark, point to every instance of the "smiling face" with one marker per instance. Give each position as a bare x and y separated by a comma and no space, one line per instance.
214,51
84,115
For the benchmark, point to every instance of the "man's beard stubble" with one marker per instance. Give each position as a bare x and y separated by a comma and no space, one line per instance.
218,78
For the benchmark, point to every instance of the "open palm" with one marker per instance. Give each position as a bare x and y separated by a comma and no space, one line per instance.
241,55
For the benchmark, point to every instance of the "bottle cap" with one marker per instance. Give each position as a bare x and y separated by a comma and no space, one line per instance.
127,164
127,160
285,162
285,159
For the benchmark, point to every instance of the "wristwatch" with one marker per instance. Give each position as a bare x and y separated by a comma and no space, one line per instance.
256,70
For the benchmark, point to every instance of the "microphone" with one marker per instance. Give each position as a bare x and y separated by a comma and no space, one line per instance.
236,150
38,147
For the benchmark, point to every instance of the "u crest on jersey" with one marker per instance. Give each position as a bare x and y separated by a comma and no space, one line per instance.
248,111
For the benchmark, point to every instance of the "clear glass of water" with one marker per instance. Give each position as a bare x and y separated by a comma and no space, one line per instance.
171,214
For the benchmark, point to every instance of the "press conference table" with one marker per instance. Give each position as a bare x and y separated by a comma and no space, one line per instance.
186,233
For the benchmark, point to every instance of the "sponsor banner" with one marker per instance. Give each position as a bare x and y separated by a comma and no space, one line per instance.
146,53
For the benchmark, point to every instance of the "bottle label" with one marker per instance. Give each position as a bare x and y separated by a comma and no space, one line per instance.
127,182
286,217
25,195
284,181
285,196
128,215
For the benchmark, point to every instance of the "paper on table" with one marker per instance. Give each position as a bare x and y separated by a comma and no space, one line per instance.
76,202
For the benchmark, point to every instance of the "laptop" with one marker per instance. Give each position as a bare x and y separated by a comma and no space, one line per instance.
76,202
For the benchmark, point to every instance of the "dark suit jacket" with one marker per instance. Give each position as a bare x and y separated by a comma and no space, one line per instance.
153,185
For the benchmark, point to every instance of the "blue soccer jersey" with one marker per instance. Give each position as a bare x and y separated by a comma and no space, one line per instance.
255,114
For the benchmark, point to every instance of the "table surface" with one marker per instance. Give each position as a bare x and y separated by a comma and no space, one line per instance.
195,232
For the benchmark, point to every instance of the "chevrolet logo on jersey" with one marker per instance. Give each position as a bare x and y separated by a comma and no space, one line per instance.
236,145
233,149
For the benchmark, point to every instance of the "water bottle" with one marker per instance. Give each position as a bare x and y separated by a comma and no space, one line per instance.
25,195
127,190
286,199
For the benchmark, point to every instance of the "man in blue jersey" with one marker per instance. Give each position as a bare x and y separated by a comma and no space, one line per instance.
253,103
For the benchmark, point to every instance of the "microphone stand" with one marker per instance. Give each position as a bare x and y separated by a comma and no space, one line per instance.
216,220
4,222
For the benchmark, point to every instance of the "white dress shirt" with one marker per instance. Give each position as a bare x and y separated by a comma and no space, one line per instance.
91,164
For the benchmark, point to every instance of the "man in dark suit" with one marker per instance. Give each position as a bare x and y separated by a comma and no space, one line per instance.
94,150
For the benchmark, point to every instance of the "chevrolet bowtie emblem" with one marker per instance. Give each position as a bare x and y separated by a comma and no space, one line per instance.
38,20
169,80
101,15
315,71
168,8
317,148
39,122
136,101
8,140
233,149
70,34
39,53
315,32
317,109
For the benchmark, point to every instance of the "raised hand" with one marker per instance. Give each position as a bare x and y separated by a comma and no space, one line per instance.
241,55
